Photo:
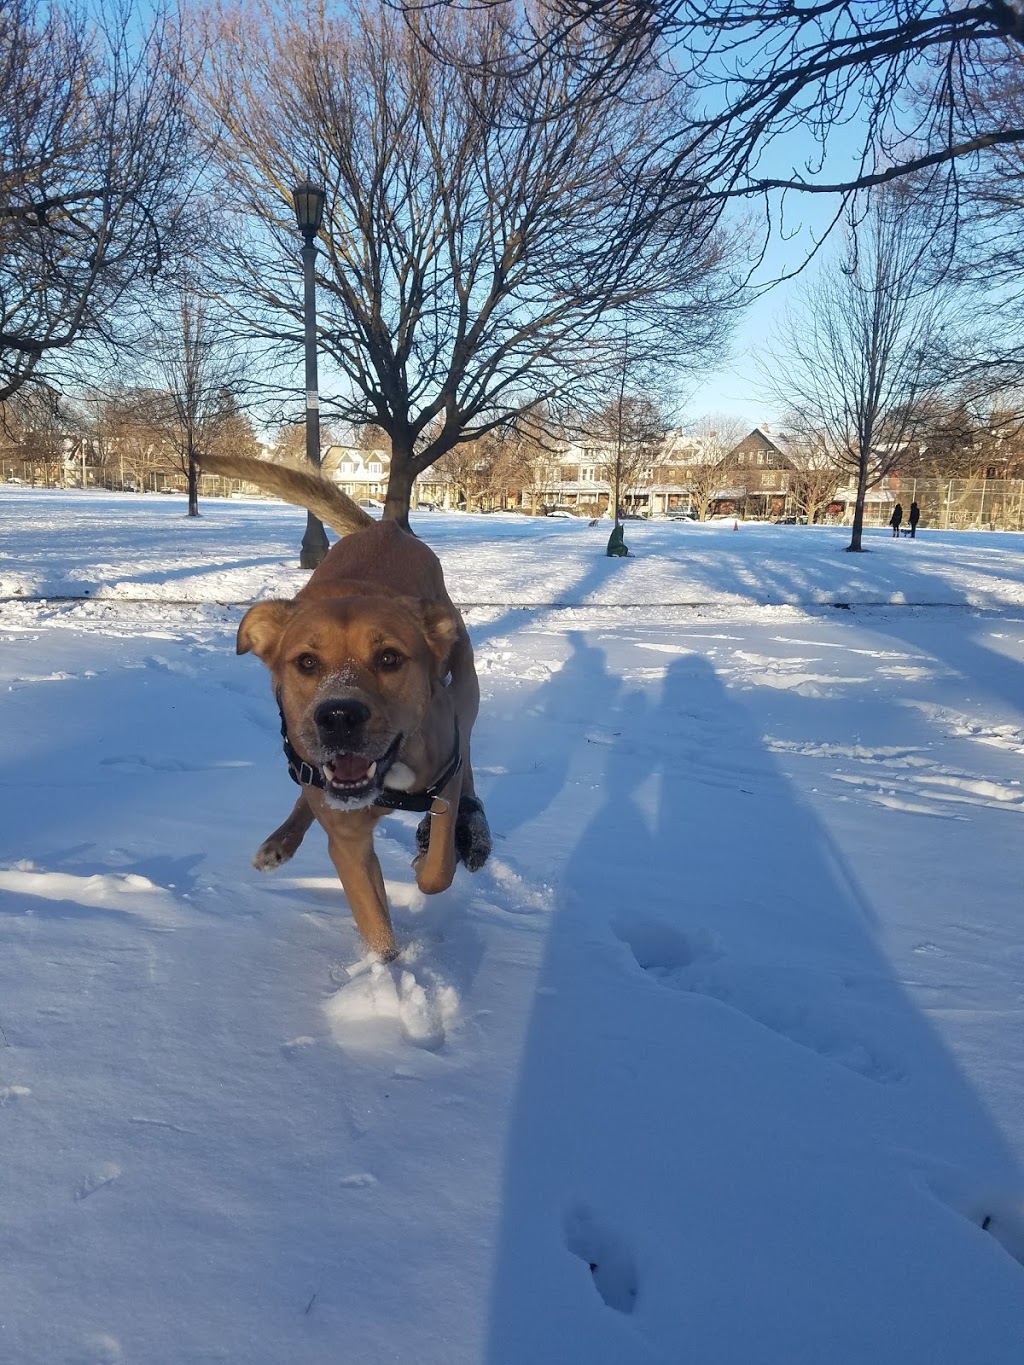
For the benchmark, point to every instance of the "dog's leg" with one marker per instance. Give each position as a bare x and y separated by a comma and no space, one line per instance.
472,832
436,862
279,846
350,844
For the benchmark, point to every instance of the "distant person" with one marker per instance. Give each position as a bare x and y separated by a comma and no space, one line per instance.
915,517
896,518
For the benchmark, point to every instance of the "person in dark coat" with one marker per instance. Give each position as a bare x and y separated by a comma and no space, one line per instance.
915,517
896,518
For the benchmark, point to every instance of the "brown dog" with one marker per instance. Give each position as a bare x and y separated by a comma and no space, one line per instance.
373,672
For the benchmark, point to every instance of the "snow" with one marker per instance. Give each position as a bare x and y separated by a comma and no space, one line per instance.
718,1060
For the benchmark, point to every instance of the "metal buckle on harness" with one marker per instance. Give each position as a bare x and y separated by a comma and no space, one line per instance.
306,774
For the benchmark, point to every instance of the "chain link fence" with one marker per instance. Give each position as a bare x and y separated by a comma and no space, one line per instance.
956,504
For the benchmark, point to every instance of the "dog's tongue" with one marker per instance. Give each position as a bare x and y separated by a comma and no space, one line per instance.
350,768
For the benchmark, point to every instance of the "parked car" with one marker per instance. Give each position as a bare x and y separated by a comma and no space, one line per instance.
425,507
371,505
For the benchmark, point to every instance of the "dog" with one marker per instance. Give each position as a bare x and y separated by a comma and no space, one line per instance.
372,669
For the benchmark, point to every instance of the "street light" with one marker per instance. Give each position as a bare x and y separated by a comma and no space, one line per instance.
308,200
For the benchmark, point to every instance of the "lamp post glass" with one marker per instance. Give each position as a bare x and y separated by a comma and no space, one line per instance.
308,200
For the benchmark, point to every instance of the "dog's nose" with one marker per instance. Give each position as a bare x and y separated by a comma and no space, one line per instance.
338,720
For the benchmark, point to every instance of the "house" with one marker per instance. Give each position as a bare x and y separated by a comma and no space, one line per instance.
363,474
672,473
576,478
758,471
359,473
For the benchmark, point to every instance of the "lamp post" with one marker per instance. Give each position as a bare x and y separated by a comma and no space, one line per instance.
308,200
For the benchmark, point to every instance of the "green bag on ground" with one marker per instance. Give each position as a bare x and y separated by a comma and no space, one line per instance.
617,548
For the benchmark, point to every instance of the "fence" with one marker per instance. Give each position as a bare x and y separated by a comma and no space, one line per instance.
957,504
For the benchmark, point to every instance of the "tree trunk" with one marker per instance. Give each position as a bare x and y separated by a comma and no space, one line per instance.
193,486
857,529
399,494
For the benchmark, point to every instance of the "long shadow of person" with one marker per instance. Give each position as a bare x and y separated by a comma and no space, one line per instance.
580,698
735,1138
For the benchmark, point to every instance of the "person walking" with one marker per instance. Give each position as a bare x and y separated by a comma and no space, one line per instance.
896,518
915,517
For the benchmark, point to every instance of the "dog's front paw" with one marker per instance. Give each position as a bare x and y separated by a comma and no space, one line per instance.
272,853
472,834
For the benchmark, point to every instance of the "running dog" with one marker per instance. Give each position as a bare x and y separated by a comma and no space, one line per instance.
373,673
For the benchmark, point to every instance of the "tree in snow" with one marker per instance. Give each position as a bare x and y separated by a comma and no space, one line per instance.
859,359
486,240
94,147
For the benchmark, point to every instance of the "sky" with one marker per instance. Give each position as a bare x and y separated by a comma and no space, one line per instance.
737,389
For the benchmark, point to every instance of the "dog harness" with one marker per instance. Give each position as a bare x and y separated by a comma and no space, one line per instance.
390,797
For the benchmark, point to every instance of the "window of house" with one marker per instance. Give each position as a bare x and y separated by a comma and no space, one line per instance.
373,467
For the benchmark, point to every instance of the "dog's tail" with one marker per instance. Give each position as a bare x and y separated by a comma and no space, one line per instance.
300,486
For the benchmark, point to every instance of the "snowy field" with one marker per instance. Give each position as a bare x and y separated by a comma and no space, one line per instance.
720,1061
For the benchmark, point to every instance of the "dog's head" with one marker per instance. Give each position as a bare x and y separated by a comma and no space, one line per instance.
356,677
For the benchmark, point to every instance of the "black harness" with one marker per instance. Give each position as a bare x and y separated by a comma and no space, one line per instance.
390,797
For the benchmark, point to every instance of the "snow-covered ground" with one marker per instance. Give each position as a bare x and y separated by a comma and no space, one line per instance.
718,1061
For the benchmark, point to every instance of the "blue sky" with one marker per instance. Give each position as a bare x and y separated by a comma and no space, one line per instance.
737,389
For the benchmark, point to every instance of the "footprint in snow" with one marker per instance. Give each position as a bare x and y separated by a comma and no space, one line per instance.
693,963
99,1348
104,1174
608,1260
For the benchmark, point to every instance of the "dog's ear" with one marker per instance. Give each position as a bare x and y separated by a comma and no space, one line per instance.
261,628
440,629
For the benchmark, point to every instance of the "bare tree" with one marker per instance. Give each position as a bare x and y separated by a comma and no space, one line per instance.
468,468
816,474
631,429
486,236
905,73
857,361
289,443
716,436
984,241
35,430
126,424
532,450
963,438
201,374
93,147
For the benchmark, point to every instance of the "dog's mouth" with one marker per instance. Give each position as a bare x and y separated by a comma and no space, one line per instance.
356,777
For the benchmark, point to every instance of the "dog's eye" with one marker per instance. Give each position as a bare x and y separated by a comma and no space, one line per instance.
389,659
307,663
